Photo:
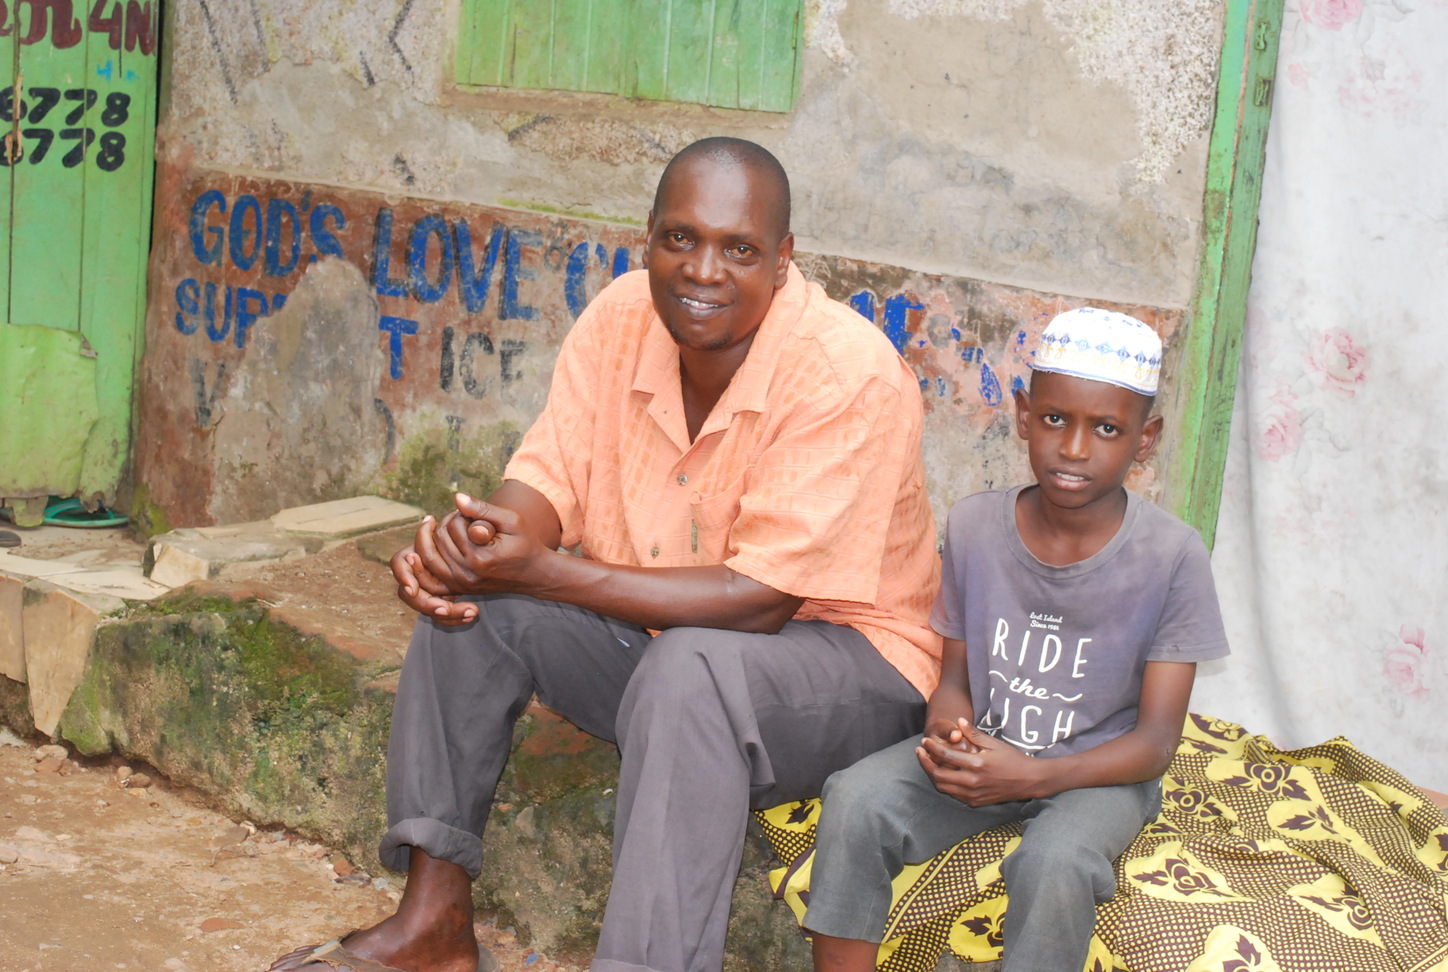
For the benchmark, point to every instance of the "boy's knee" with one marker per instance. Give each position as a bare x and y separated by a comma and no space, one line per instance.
847,792
857,799
1061,865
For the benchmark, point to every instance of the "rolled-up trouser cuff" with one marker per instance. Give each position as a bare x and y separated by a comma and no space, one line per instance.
437,840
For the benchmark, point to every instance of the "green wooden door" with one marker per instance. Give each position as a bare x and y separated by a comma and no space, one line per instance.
77,116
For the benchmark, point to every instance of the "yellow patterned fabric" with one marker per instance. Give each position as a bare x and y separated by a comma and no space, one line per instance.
1263,860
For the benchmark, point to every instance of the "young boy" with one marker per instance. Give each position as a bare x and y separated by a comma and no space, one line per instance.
1074,613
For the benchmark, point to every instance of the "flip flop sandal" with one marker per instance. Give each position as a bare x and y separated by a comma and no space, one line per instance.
8,539
336,956
72,513
332,955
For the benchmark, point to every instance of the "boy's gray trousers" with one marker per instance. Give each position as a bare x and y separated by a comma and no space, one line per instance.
710,723
884,812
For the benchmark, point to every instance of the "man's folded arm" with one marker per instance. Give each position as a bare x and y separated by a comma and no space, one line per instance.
508,543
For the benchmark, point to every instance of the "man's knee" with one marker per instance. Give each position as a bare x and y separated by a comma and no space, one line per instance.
685,662
683,679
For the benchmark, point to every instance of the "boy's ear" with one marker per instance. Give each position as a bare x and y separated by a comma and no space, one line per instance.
1150,431
1023,413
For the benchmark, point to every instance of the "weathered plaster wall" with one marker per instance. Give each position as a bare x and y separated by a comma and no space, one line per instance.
400,258
307,342
1054,145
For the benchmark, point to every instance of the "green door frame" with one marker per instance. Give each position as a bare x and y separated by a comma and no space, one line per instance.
1235,159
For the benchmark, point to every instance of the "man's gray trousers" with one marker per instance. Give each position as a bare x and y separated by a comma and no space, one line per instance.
710,723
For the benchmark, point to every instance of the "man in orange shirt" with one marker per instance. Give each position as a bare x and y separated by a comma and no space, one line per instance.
737,459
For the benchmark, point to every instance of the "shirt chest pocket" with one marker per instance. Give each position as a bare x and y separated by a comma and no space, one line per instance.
714,515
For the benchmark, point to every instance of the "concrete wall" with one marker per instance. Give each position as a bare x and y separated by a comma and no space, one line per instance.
401,257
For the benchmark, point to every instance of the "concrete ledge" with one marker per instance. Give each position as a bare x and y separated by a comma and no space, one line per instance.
185,556
49,613
59,626
346,518
12,628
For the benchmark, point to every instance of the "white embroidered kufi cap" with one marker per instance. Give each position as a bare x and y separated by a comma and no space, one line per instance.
1101,345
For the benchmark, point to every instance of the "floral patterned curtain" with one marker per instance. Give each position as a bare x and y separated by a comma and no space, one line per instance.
1332,546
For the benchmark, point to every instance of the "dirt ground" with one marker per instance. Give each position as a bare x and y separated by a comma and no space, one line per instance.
96,874
100,874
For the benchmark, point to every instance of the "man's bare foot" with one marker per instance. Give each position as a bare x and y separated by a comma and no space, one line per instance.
432,930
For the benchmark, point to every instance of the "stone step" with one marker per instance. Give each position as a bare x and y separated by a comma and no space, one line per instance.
207,553
346,518
58,628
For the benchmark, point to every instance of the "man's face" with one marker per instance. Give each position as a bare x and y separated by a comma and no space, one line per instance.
1082,436
715,255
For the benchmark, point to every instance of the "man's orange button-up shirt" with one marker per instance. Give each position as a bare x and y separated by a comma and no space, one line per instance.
806,476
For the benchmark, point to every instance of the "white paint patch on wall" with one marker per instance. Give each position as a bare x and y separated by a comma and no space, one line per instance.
1164,55
822,30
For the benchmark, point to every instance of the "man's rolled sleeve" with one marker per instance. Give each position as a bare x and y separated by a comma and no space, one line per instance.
556,453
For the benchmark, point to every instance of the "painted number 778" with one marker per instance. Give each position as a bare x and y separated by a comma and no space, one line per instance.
77,103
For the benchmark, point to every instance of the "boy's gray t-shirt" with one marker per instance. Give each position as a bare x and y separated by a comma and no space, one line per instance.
1056,654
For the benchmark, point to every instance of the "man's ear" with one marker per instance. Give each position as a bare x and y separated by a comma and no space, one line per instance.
1023,413
648,236
1150,431
786,250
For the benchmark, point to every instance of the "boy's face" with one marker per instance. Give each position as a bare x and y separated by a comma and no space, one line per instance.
1083,436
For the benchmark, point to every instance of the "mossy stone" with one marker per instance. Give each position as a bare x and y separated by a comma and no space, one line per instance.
219,696
433,465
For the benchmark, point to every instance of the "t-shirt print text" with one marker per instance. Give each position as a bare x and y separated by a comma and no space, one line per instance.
1051,622
1031,690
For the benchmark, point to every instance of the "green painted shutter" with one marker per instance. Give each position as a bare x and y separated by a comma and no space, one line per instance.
726,53
76,204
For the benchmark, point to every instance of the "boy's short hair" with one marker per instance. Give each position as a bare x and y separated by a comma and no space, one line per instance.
1101,345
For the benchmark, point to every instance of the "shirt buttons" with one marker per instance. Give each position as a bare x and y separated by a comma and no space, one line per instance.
655,551
683,480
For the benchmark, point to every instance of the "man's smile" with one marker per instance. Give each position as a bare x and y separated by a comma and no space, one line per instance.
699,304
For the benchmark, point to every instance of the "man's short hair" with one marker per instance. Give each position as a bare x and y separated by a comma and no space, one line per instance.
727,150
